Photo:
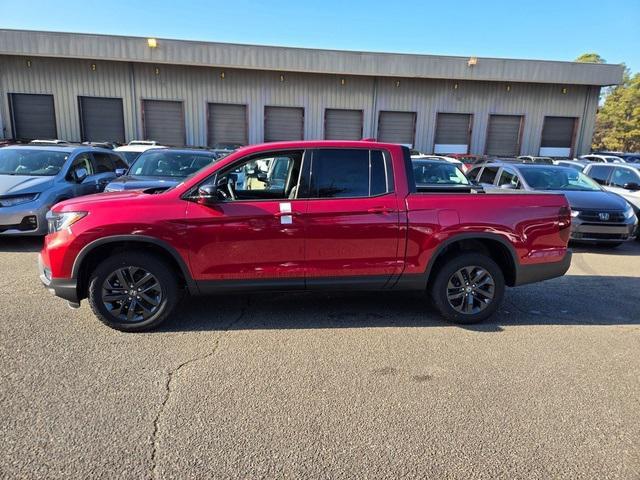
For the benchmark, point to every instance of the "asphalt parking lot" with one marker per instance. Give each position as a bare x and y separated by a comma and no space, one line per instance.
319,386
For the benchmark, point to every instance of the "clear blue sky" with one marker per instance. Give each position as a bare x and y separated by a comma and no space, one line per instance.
539,29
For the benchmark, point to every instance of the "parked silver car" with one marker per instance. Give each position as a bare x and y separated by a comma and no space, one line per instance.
33,178
623,179
598,216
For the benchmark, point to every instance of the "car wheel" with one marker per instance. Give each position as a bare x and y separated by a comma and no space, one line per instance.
468,288
132,291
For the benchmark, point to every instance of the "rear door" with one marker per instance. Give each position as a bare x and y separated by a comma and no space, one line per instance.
503,135
558,134
163,122
101,119
32,116
352,220
83,166
283,124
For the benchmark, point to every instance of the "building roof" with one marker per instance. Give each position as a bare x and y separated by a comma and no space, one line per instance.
257,57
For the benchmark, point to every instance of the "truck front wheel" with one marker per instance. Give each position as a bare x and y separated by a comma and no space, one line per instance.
468,288
132,291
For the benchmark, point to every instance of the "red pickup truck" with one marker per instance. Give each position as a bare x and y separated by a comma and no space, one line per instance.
311,215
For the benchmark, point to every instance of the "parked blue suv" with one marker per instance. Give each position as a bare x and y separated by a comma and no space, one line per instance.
33,178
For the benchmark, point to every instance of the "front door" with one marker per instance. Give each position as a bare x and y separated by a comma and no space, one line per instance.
254,232
352,220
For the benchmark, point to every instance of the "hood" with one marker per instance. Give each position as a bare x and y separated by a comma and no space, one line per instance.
138,182
17,184
97,199
595,200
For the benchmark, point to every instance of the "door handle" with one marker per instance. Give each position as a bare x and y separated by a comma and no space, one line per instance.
382,210
286,214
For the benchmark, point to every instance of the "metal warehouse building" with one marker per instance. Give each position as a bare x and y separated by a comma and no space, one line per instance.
111,88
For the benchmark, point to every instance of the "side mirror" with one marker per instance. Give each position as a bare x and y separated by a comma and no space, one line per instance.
120,172
80,174
207,193
633,186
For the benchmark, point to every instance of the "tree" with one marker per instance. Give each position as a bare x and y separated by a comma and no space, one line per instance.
618,121
590,58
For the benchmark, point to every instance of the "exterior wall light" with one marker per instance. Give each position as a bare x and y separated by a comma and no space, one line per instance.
473,61
455,86
152,42
93,67
564,90
221,75
397,84
156,71
281,78
343,81
508,88
28,63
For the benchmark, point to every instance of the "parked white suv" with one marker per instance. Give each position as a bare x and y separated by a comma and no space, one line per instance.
602,158
134,148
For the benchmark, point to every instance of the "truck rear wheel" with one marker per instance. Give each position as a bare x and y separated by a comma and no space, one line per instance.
468,288
132,291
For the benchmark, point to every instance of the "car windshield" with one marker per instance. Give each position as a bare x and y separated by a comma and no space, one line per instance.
170,164
437,173
24,161
557,178
129,156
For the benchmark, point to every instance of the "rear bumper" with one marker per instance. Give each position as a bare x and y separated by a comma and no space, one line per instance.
66,288
542,271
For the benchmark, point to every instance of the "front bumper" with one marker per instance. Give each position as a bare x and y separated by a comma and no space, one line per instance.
18,220
66,288
542,271
592,231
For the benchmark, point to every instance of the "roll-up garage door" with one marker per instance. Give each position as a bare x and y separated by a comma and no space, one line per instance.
164,121
340,124
557,136
452,133
101,119
283,123
503,135
397,127
227,124
32,116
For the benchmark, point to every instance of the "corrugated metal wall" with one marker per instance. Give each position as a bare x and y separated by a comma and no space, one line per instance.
196,86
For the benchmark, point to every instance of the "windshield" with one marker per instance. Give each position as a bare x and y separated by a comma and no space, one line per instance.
437,173
170,164
129,156
557,178
21,161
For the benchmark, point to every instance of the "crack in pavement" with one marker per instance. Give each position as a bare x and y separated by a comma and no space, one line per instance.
170,389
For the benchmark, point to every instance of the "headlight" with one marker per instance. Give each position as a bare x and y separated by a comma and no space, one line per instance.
17,200
60,221
575,213
628,213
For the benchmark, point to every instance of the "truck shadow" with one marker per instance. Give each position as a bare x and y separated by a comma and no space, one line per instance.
569,300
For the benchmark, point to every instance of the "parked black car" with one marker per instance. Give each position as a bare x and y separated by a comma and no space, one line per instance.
162,168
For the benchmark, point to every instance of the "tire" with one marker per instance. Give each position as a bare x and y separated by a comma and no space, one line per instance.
485,299
158,295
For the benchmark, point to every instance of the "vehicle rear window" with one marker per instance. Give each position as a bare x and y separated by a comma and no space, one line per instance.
428,173
488,175
600,173
344,173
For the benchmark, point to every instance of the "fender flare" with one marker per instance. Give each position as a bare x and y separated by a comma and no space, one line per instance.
87,249
474,236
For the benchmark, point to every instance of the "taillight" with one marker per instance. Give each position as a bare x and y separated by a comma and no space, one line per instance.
564,223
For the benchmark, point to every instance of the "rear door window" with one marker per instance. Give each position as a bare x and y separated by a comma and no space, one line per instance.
600,173
473,173
103,162
488,175
349,173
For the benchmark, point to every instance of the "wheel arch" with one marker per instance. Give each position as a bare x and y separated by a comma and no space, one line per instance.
91,254
495,246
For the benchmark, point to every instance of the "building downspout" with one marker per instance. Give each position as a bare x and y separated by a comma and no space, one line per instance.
134,102
374,108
